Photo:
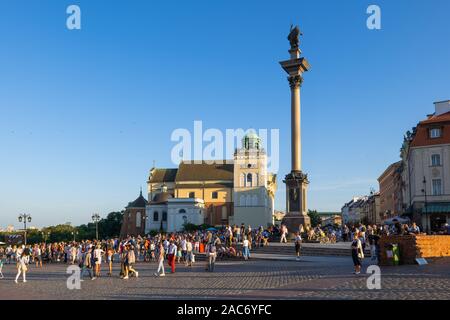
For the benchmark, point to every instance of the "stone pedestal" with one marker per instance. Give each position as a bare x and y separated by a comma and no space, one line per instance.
296,205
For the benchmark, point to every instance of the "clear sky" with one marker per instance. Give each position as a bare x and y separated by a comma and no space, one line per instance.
84,113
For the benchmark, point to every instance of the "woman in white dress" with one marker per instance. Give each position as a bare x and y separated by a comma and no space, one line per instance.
98,252
21,267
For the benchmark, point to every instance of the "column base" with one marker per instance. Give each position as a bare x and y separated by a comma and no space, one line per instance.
296,208
293,221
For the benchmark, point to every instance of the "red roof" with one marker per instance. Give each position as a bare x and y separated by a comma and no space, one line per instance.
436,119
422,136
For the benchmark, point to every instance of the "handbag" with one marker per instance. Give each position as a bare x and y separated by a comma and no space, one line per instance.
360,253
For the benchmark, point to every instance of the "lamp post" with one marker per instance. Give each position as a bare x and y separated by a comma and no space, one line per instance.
45,235
25,217
96,219
74,233
145,218
424,190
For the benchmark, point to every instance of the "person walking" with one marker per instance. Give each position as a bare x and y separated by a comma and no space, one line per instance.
131,257
171,256
211,252
109,259
357,252
1,266
184,248
189,253
21,266
246,248
98,252
284,232
86,263
298,241
160,272
152,250
73,253
345,233
37,254
123,261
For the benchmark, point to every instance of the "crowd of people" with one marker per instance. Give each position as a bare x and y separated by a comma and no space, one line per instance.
171,249
182,247
361,236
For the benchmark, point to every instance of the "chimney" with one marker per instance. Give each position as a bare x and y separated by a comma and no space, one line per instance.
442,107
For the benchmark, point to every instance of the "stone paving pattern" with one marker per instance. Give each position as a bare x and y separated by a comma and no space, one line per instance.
309,278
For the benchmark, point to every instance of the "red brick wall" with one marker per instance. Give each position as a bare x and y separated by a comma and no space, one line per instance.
213,212
412,247
129,222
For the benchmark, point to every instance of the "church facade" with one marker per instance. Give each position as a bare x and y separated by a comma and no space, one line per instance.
231,192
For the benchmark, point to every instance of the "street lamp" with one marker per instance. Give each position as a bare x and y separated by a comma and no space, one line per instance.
74,233
45,235
25,217
96,219
424,190
145,218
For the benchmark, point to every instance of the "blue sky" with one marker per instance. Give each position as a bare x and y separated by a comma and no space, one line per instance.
84,113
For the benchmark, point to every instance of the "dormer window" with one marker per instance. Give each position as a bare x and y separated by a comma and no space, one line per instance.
435,133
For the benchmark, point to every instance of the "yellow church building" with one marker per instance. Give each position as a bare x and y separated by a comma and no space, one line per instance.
226,192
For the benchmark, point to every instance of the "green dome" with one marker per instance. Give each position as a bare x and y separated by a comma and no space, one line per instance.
251,135
251,140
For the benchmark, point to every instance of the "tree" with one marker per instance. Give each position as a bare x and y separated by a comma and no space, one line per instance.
315,218
110,226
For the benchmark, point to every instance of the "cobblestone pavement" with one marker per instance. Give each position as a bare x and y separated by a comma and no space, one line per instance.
325,278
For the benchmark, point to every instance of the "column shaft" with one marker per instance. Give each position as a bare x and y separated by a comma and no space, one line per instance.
296,146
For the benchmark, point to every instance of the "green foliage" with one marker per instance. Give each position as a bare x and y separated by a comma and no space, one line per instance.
153,232
61,232
315,218
108,227
190,227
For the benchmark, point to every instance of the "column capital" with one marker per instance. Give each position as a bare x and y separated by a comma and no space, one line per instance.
295,81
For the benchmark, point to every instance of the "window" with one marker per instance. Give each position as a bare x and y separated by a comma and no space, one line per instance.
181,211
214,195
155,216
191,194
249,180
242,180
254,200
255,179
248,200
164,217
138,219
224,213
435,133
242,201
437,187
436,160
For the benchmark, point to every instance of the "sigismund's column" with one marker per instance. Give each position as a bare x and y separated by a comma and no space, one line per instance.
296,181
